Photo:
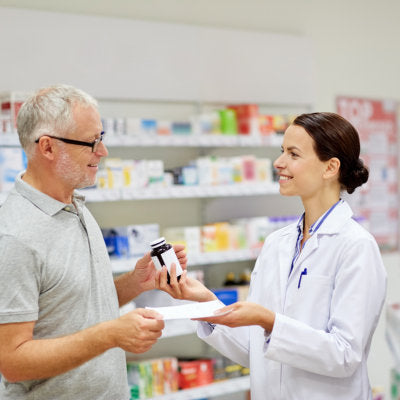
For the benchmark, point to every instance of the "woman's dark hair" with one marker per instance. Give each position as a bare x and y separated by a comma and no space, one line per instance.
334,136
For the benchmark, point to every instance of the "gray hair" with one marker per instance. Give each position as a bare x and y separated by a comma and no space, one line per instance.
49,111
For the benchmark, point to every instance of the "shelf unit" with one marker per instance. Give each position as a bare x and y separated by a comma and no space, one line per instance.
202,202
180,192
9,140
215,389
120,265
186,206
193,140
217,140
200,77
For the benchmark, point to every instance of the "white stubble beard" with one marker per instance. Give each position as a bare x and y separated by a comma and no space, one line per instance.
71,173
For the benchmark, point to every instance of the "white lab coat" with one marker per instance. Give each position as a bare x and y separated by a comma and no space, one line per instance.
321,338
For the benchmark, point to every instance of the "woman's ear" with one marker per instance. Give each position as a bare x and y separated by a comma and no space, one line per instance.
332,168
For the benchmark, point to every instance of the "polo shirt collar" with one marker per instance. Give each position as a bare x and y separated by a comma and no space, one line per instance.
47,204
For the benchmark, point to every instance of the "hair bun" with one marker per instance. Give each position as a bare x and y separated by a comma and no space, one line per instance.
356,177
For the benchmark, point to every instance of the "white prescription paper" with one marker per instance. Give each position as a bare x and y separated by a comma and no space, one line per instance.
192,310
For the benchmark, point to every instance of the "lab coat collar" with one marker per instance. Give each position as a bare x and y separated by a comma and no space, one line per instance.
337,218
331,225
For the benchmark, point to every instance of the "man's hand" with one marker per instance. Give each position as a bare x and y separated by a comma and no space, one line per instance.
138,330
144,273
181,255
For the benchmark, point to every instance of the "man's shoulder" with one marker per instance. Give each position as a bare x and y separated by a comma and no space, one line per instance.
16,214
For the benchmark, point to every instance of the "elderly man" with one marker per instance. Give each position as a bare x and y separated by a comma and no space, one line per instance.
61,336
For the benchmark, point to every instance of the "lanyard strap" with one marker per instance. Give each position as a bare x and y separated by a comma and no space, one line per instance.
312,230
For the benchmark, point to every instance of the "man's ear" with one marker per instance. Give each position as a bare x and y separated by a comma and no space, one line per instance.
46,147
332,168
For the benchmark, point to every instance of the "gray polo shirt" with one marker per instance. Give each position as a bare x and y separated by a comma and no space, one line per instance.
55,270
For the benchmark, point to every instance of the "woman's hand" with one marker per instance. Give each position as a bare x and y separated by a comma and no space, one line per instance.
186,289
243,313
181,255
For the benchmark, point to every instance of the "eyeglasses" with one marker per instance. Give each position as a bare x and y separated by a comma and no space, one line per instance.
94,145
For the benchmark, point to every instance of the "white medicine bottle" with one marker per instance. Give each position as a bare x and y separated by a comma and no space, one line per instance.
162,253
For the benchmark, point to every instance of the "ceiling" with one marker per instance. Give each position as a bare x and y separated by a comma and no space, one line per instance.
273,16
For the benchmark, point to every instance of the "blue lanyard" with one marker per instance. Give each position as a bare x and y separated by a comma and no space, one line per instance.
298,244
312,230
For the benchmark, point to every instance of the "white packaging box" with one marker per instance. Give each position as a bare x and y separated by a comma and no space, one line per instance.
114,169
139,174
155,172
140,237
192,236
108,125
133,126
263,170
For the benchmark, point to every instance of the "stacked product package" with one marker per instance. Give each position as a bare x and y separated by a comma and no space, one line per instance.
246,233
204,171
153,377
235,119
130,241
160,376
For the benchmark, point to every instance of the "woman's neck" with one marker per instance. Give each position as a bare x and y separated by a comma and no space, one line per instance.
313,210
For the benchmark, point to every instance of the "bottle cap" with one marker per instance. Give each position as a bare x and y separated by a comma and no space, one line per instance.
157,242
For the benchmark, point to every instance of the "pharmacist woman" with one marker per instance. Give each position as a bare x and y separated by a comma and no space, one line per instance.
318,286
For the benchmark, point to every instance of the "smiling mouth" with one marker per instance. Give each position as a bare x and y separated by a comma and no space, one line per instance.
92,165
285,178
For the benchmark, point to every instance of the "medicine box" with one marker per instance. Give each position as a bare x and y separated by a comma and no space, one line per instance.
232,294
194,373
140,237
116,241
131,240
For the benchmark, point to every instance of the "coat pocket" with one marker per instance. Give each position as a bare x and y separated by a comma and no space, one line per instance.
311,301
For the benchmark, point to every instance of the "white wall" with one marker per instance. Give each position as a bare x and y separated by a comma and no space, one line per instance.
126,59
355,41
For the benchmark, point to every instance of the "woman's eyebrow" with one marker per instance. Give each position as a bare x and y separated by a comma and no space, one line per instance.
290,148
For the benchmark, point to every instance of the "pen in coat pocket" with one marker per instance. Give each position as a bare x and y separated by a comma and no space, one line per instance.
304,272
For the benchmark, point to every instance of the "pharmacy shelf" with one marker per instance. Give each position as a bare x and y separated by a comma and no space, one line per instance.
176,192
223,256
273,140
120,265
9,140
180,192
216,140
215,389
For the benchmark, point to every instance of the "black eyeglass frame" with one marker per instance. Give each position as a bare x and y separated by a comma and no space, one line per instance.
93,144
